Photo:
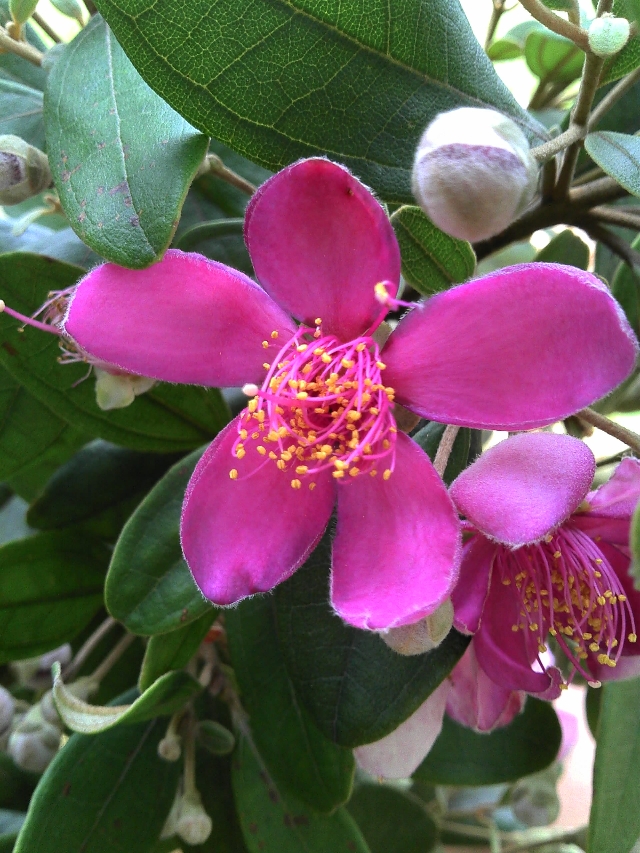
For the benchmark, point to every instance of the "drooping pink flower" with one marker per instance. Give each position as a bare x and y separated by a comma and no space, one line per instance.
546,556
507,351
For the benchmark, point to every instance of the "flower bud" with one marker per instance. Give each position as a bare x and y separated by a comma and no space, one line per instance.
608,35
194,824
24,170
534,800
34,742
118,390
424,635
473,173
170,747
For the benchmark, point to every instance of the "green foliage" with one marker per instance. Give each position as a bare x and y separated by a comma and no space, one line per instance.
617,154
300,759
565,248
123,174
629,57
431,260
461,756
552,57
359,87
614,824
390,821
22,10
173,650
356,689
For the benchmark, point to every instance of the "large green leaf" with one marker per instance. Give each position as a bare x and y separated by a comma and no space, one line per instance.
553,58
431,260
149,586
164,697
461,756
511,44
173,650
121,158
106,793
50,587
63,245
617,154
16,785
272,821
166,419
565,248
300,759
21,112
390,821
355,687
283,79
614,824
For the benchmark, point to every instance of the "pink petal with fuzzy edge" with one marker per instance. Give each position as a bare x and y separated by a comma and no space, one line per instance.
396,551
619,496
319,243
397,755
185,319
245,536
524,487
477,702
509,350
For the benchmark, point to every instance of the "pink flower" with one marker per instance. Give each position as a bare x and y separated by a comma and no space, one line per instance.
507,351
546,556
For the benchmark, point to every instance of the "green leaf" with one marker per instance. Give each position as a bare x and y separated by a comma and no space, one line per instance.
431,260
166,419
592,705
565,248
50,588
149,587
16,68
22,10
173,650
511,45
626,289
63,245
98,477
614,824
16,785
429,438
359,87
629,57
164,697
70,8
221,240
122,171
273,821
390,821
461,756
301,760
617,154
552,57
106,793
215,738
21,113
355,687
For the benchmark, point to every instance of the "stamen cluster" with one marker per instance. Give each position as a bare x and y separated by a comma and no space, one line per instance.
323,406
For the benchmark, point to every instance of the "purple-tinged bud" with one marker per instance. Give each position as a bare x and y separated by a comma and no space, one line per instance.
473,173
24,170
422,636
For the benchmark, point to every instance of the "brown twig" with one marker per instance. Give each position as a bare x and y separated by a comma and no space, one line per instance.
213,165
557,24
20,48
444,448
45,27
626,436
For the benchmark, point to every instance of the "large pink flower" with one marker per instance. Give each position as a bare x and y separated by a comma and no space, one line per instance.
507,351
546,556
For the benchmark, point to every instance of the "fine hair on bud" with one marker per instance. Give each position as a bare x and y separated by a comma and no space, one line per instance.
608,34
24,170
473,173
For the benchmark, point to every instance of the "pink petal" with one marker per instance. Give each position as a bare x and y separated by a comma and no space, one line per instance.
505,655
477,702
397,547
185,319
524,487
470,592
398,754
618,497
246,535
319,243
514,350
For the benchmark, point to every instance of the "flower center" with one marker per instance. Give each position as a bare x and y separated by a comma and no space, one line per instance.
323,406
569,589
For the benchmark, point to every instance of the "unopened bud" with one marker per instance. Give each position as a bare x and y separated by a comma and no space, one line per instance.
24,170
422,636
473,173
34,742
534,800
118,390
215,737
608,35
170,747
194,824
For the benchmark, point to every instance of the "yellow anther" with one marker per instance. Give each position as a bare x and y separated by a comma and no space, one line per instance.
353,472
243,434
326,358
372,472
506,582
252,405
286,456
307,368
361,347
338,474
266,365
548,538
594,647
381,293
515,627
318,321
633,638
281,465
381,366
557,555
241,452
374,410
386,474
353,415
302,469
301,395
587,636
274,335
272,455
296,484
598,560
340,464
261,450
265,344
233,474
293,383
386,444
255,435
347,363
302,347
601,600
622,598
259,416
312,486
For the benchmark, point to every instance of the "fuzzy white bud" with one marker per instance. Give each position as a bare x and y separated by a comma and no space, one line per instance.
24,170
34,742
473,173
422,636
608,34
194,825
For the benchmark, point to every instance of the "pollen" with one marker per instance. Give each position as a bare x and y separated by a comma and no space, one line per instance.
274,334
233,474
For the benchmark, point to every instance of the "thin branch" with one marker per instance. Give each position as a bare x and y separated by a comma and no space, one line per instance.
597,192
112,658
213,165
85,650
548,180
617,245
557,24
40,21
625,217
626,436
496,14
20,48
613,96
549,149
444,448
587,177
